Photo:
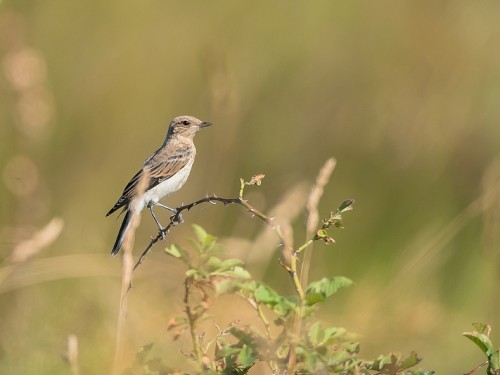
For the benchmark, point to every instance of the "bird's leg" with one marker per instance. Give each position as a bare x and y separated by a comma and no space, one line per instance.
180,220
163,206
150,208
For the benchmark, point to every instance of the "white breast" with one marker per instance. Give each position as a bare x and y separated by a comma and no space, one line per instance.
163,189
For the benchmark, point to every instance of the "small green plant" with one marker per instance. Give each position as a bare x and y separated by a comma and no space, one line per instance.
238,347
481,337
292,340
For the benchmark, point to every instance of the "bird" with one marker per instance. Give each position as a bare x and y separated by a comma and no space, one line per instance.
163,173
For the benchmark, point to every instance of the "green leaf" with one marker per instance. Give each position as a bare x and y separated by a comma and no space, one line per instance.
319,336
346,205
318,291
213,263
266,294
249,286
481,340
200,233
312,362
338,357
385,361
226,286
174,251
352,347
246,356
315,334
206,240
409,361
230,263
228,267
238,272
314,298
331,335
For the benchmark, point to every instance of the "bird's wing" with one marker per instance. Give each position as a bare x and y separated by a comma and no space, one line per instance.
156,169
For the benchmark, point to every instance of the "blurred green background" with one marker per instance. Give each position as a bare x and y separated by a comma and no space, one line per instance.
404,94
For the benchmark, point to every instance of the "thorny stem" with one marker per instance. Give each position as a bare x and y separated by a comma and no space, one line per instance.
176,218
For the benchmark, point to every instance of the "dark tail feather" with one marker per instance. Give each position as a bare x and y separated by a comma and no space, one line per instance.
127,220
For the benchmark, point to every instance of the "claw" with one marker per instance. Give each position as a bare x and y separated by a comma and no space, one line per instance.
181,219
177,218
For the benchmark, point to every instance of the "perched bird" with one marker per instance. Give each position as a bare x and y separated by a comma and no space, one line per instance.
162,174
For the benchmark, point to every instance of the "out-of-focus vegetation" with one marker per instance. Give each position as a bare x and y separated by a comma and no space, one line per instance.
404,94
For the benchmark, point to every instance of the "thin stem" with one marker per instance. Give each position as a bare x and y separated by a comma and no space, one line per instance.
175,219
298,318
264,320
305,245
192,323
295,276
477,368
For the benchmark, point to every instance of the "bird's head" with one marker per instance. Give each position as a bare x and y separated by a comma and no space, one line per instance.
186,126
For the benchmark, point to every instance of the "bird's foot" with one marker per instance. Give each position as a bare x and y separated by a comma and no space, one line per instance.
177,218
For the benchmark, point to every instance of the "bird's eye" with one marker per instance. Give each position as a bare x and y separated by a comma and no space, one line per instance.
185,122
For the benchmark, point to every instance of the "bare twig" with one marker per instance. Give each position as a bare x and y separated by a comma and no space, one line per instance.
312,215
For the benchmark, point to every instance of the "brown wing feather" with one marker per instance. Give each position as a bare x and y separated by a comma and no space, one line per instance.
157,168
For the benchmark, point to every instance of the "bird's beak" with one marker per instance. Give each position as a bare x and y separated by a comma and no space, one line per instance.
205,123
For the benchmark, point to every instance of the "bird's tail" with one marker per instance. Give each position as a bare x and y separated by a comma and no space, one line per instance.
127,220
